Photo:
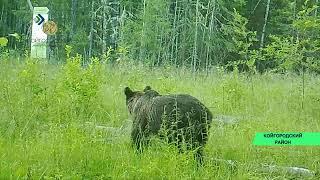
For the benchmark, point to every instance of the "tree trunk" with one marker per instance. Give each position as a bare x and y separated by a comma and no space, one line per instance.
30,5
142,50
211,25
195,48
91,29
1,17
104,29
265,24
73,17
294,31
114,23
174,34
316,10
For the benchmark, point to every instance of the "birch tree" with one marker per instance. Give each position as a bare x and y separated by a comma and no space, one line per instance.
73,17
195,52
265,23
92,13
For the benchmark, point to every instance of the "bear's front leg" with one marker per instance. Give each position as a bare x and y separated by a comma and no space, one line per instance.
136,137
139,136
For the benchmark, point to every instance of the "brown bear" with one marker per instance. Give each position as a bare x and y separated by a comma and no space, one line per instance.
180,118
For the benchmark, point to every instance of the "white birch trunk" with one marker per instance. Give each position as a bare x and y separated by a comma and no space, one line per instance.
141,53
265,24
91,29
73,17
104,29
194,54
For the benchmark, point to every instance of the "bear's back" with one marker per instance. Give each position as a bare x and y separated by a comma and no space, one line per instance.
183,102
180,109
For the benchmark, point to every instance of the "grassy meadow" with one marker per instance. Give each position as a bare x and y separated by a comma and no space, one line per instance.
69,122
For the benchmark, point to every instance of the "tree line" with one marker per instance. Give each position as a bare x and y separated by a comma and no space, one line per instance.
249,35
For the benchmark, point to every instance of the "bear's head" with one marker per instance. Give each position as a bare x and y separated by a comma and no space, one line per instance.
133,96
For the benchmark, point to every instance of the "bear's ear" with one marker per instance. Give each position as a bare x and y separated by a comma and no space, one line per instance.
147,88
128,92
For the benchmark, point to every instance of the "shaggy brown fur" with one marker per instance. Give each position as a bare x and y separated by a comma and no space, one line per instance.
181,119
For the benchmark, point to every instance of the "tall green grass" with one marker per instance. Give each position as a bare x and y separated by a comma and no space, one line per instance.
50,114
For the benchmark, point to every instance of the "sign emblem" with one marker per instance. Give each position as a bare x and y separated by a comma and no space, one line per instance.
39,19
50,28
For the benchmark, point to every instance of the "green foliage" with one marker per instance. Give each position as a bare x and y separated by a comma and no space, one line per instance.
79,41
56,119
3,42
233,92
146,37
68,50
16,36
77,88
34,99
306,21
284,53
4,52
59,118
295,53
198,34
80,84
31,77
240,40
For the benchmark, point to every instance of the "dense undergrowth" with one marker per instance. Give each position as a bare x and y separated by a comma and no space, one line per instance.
49,116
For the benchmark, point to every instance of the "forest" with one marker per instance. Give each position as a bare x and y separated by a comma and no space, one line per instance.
255,35
254,63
